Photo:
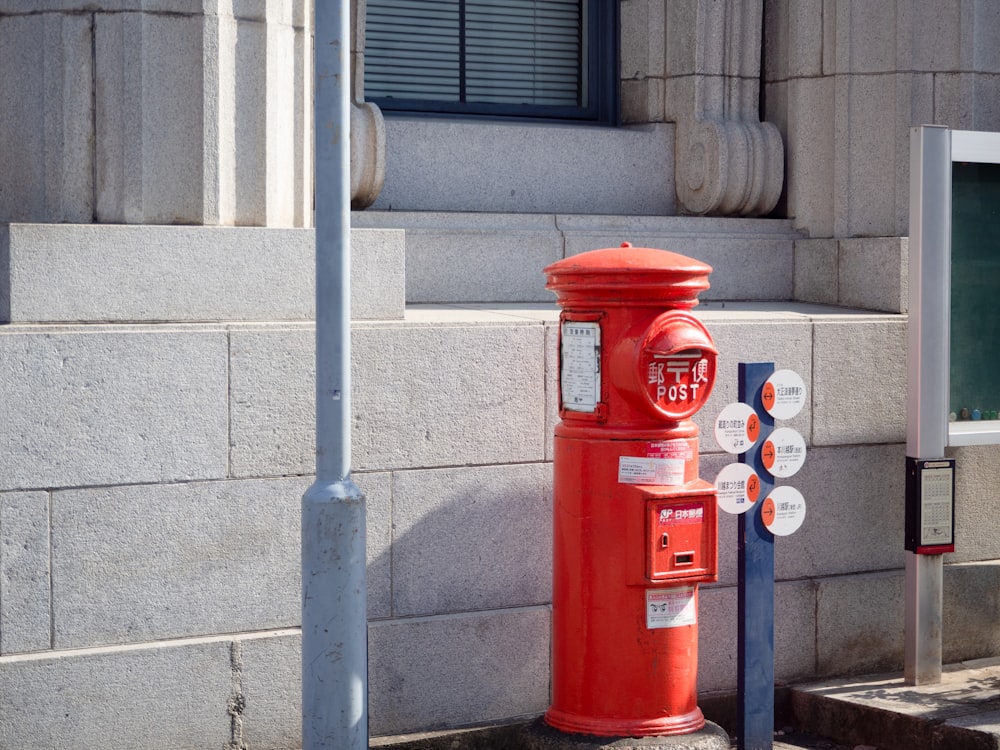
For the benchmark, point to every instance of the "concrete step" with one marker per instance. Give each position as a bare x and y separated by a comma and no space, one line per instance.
488,257
57,273
962,712
67,273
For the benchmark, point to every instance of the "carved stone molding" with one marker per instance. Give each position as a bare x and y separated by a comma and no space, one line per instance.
728,162
367,125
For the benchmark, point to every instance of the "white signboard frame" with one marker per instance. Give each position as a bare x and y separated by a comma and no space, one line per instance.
933,151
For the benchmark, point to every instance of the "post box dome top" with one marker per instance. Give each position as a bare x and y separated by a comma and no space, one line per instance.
628,275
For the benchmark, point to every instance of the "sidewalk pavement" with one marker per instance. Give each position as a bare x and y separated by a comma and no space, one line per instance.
960,713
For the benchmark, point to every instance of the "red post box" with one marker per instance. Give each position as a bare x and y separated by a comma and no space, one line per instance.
635,528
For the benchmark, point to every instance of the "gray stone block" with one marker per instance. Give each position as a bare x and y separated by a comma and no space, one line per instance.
970,611
717,638
191,559
183,87
868,30
718,627
272,402
151,133
867,192
552,386
436,165
805,29
986,26
478,389
936,36
859,624
474,538
873,273
25,579
859,380
977,491
854,513
782,338
185,273
473,257
271,686
111,406
760,248
377,488
812,154
816,271
168,695
46,123
455,670
175,560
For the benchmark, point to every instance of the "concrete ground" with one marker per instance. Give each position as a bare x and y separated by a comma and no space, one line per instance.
858,713
960,713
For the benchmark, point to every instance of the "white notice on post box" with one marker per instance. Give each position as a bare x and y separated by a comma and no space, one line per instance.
671,608
580,366
657,471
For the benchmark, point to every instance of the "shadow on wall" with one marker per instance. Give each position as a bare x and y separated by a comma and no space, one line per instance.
459,600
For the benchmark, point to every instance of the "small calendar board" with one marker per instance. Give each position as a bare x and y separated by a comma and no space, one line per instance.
930,505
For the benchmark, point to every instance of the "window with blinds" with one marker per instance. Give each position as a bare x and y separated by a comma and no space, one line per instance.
484,56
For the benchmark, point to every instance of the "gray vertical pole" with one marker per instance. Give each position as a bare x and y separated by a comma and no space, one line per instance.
334,607
928,356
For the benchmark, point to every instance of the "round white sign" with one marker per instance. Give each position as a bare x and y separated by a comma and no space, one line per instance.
783,394
737,428
737,488
783,452
783,510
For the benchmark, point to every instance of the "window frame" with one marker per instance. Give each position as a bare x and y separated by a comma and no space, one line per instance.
603,85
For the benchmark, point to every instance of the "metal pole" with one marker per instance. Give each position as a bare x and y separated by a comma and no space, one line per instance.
334,595
927,375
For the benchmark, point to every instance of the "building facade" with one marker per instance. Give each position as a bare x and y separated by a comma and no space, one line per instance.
156,343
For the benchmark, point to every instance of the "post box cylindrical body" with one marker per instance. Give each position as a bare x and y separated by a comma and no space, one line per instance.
635,528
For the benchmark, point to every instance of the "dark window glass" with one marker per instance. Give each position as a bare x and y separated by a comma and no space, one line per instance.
543,58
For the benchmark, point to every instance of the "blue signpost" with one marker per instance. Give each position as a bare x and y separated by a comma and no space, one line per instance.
755,659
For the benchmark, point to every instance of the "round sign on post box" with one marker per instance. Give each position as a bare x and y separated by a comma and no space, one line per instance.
676,361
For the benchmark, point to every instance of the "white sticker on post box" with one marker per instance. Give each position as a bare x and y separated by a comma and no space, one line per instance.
737,428
784,452
580,366
649,470
671,608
